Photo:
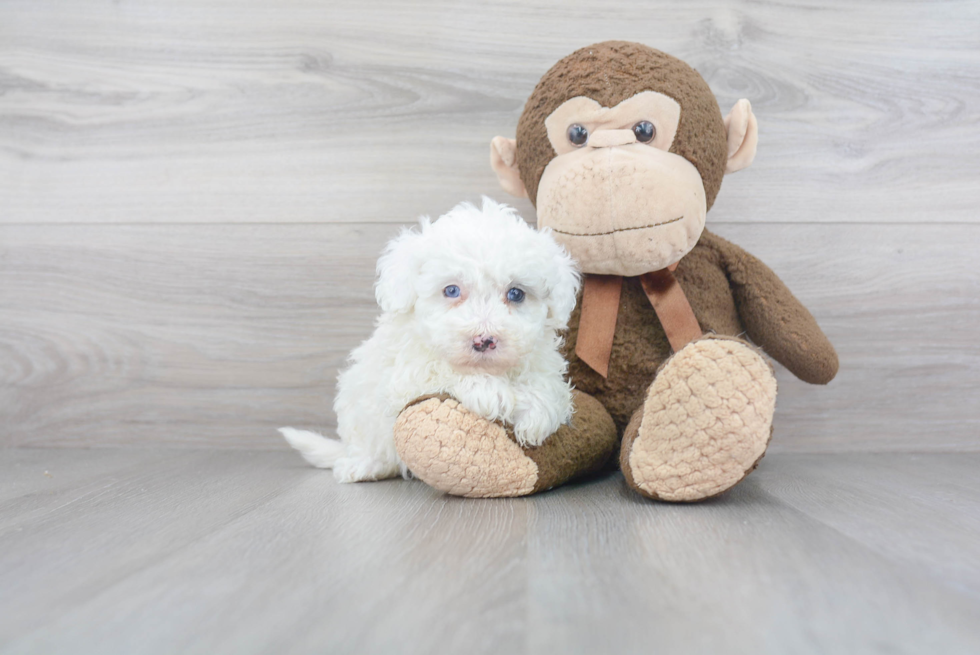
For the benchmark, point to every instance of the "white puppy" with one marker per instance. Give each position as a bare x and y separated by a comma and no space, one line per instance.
471,306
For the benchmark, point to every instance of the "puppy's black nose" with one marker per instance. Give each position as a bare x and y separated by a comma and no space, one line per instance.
484,343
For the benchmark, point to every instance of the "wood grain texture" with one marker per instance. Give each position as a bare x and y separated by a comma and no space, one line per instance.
192,196
214,335
254,552
353,111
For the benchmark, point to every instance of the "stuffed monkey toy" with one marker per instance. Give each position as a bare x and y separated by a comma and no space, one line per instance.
622,150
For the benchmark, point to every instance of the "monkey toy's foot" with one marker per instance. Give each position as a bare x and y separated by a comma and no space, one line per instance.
454,450
705,423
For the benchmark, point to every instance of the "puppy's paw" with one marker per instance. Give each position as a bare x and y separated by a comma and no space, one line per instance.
540,409
364,469
534,424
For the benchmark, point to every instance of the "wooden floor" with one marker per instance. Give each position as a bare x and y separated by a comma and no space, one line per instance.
195,551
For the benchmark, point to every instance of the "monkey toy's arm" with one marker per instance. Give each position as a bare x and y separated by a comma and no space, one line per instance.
775,320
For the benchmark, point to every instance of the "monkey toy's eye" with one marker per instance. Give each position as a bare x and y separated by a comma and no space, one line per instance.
644,131
452,291
515,295
577,134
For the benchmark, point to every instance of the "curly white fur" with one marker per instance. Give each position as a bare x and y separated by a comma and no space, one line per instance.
426,342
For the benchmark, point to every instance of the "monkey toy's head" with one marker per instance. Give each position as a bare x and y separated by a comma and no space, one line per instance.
622,149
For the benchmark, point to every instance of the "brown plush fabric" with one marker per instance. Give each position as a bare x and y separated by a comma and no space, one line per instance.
775,320
609,73
590,444
718,278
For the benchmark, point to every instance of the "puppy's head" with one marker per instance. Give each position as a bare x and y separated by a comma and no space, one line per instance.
484,289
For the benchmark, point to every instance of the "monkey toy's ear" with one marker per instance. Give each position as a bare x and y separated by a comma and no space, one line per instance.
743,136
503,159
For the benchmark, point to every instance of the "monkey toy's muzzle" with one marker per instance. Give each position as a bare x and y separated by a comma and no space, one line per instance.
620,207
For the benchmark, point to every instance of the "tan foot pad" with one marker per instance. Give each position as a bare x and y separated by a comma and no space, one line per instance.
705,423
452,449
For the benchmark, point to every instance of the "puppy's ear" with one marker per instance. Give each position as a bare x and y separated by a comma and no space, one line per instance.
564,281
398,268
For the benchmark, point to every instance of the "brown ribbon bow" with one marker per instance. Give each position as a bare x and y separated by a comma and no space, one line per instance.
600,306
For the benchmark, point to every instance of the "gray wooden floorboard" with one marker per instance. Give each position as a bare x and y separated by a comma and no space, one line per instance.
149,551
215,335
359,110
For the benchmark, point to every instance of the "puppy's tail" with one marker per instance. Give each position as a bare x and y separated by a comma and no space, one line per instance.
316,449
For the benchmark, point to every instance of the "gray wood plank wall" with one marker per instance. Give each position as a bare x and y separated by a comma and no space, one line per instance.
192,196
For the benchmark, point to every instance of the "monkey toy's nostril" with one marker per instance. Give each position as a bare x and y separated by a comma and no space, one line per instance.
484,343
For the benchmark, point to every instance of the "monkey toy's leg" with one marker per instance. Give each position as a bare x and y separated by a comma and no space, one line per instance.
454,450
705,422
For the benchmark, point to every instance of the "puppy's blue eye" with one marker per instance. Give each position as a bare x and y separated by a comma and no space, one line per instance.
452,291
515,295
